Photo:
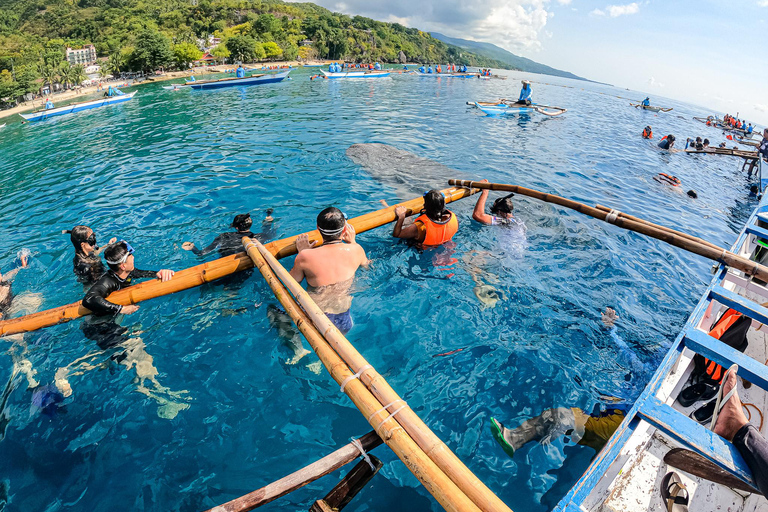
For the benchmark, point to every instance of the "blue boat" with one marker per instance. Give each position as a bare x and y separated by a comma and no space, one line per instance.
659,435
232,81
41,115
506,109
356,74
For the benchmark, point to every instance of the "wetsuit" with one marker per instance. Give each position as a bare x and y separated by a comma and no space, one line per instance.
763,150
754,448
88,269
5,303
96,298
232,243
664,144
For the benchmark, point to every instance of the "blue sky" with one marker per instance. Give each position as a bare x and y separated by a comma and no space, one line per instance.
711,53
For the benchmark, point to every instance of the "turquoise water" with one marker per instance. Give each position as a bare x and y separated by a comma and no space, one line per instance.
169,167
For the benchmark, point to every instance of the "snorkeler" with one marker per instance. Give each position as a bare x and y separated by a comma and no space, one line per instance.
87,265
586,429
231,243
501,210
667,142
433,227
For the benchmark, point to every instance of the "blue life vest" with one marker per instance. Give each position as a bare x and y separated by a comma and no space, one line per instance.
429,69
331,67
377,67
422,70
240,72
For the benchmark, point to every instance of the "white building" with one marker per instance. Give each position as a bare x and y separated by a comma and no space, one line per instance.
85,55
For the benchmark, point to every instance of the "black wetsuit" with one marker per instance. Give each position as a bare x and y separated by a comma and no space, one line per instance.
232,243
664,144
96,298
5,304
88,269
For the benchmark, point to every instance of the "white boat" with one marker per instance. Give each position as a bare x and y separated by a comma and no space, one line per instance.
356,74
452,75
2,125
658,436
41,115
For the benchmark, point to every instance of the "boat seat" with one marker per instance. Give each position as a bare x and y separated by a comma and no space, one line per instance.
761,233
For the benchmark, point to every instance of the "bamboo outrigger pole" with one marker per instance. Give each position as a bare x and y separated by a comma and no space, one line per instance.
386,425
616,218
210,271
442,456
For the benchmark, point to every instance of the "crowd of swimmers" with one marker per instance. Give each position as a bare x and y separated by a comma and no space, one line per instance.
335,67
449,68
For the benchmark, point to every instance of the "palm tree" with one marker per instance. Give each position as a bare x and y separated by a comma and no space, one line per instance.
114,64
47,73
78,74
65,74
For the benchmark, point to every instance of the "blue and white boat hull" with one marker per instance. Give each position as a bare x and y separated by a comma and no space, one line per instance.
77,107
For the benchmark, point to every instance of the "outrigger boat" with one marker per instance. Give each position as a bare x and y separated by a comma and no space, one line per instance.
356,74
453,75
506,107
649,107
231,81
41,115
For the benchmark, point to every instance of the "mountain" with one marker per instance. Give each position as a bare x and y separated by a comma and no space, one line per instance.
492,51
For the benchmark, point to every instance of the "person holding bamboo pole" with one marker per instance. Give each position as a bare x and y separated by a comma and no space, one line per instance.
230,243
433,227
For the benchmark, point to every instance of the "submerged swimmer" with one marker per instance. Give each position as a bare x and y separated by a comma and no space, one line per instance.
329,269
231,242
87,265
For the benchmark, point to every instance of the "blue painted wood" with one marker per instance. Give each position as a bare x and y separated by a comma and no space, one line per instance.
701,343
741,304
760,232
695,436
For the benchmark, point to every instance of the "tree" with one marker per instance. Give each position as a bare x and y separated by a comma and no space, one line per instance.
114,64
267,24
186,53
307,53
290,51
243,48
220,52
152,50
272,50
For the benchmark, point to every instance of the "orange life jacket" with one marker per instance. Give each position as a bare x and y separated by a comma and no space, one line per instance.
713,370
435,233
673,180
647,134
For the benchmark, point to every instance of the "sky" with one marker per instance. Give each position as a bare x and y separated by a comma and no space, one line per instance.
710,53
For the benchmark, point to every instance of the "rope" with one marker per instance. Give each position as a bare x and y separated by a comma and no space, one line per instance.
612,216
749,414
357,444
384,408
355,376
390,416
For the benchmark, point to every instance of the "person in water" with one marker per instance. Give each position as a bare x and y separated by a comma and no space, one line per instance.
525,94
732,425
667,142
433,227
240,72
86,264
586,429
647,132
329,271
231,242
501,210
646,102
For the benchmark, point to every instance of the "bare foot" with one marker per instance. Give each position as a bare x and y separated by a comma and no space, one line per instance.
731,418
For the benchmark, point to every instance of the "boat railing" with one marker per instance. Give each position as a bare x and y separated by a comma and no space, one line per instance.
729,288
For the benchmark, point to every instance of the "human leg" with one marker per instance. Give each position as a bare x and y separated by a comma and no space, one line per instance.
550,423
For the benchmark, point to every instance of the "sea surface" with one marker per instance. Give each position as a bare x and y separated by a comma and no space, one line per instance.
202,405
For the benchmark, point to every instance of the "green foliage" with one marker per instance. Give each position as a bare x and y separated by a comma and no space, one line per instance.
243,48
186,53
272,50
152,50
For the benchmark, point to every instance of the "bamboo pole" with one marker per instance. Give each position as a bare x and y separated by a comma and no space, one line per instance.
386,425
673,231
472,486
300,478
207,272
749,267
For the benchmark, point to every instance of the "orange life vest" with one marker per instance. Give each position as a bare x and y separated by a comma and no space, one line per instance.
435,233
713,370
673,180
647,134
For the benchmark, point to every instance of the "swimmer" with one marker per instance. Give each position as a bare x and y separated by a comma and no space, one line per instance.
667,179
231,242
330,269
647,132
87,265
501,210
692,194
433,227
667,142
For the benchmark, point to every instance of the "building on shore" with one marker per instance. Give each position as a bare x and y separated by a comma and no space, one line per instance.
85,55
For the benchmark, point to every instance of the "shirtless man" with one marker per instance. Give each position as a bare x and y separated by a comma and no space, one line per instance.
330,268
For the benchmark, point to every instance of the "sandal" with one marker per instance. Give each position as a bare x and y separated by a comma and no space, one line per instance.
674,493
722,400
704,390
704,413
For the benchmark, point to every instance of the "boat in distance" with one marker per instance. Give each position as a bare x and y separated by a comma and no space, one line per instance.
356,74
41,115
232,81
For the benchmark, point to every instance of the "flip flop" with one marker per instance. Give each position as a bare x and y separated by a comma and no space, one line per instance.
722,400
704,413
497,429
674,493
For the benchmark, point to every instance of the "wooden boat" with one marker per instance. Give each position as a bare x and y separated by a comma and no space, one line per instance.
232,81
651,108
724,151
453,75
41,115
506,107
356,74
745,142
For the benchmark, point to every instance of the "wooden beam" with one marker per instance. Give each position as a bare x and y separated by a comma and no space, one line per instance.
349,487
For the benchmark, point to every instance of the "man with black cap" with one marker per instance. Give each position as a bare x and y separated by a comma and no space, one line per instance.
667,142
231,243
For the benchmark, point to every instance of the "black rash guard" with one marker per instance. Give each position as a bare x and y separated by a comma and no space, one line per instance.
88,269
96,298
232,243
5,304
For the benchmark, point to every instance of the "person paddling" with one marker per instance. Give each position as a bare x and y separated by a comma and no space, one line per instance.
646,102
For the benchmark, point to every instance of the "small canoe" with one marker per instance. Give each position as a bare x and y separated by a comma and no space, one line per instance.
231,82
505,109
356,74
651,108
41,115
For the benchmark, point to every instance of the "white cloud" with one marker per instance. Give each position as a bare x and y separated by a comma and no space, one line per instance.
653,83
619,10
761,107
763,3
597,12
568,2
